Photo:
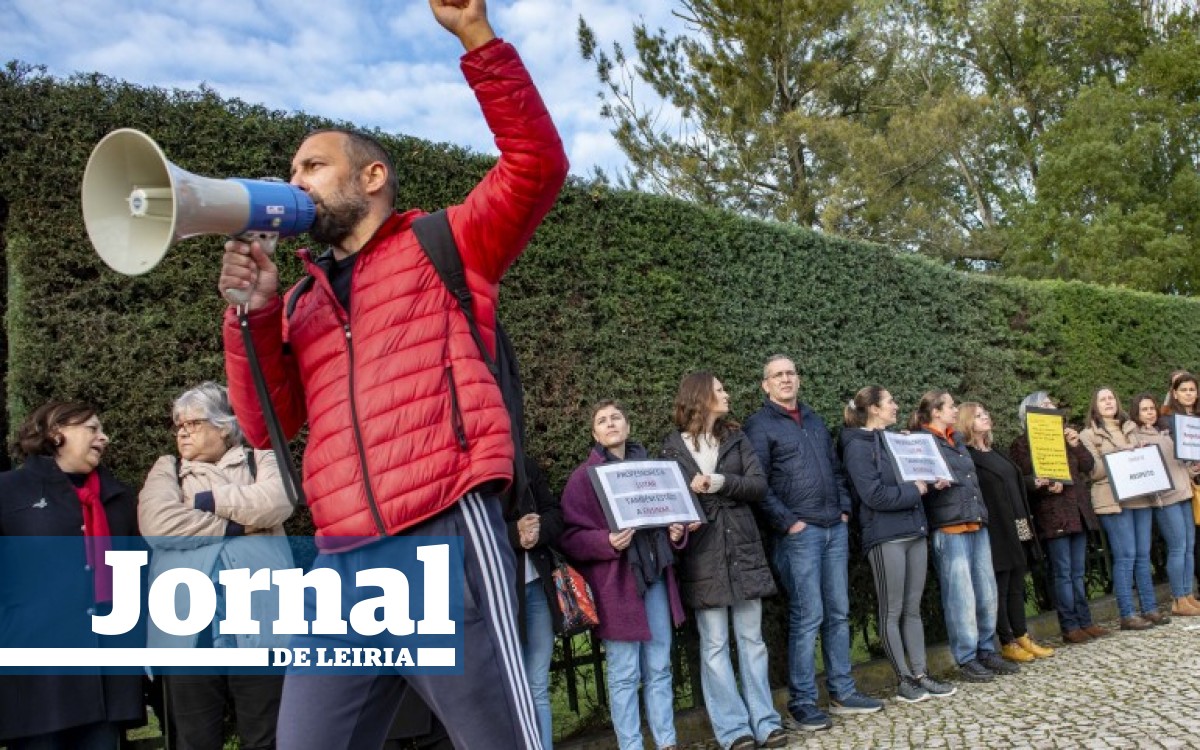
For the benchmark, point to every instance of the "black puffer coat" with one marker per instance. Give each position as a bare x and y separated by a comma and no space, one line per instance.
724,561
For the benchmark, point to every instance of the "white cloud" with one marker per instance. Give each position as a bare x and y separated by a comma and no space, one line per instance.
377,63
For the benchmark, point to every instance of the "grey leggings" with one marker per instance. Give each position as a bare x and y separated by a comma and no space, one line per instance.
899,568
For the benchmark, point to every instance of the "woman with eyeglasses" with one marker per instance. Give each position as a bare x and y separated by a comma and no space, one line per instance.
228,501
1126,524
1063,516
1010,529
62,494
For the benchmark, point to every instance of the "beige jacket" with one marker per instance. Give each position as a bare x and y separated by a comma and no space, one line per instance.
1179,473
1099,443
166,504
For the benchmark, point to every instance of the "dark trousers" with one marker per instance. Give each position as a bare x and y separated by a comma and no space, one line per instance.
101,735
1010,601
197,705
488,706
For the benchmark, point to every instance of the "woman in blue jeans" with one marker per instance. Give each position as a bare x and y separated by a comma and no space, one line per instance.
1063,517
723,571
1126,524
962,551
632,577
535,523
1173,511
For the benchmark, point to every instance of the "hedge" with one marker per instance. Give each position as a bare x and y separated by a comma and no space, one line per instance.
619,294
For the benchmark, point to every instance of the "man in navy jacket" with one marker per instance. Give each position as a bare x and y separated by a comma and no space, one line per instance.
808,507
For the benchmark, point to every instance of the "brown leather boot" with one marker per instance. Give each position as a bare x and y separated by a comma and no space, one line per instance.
1156,618
1078,635
1097,631
1135,623
1183,607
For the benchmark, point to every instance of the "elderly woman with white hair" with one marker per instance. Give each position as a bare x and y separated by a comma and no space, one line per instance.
219,505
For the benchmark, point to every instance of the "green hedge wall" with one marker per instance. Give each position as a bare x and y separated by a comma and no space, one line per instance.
619,295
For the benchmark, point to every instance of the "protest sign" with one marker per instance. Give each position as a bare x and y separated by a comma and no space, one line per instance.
916,457
1047,446
1137,472
641,494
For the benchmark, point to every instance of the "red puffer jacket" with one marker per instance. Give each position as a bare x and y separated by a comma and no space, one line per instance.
404,417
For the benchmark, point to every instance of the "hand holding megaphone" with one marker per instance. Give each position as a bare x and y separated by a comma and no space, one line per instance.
137,204
248,275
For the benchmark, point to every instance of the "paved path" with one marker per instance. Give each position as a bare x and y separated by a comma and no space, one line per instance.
1129,690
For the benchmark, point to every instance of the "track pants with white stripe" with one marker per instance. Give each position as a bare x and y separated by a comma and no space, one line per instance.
488,707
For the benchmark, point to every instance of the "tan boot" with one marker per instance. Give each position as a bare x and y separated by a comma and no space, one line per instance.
1184,607
1041,652
1014,652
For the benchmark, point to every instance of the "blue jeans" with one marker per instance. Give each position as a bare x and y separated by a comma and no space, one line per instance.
1128,535
1068,556
968,584
538,649
1175,525
733,716
812,566
648,662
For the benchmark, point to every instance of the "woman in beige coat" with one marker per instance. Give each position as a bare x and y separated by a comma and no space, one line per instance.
217,506
1127,524
1173,514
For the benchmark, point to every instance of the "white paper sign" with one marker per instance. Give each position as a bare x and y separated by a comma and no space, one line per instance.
916,457
1137,472
641,494
1187,438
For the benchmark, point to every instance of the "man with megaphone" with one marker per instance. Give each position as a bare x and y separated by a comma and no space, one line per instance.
408,432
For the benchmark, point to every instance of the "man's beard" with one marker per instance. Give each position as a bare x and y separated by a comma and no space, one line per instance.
338,216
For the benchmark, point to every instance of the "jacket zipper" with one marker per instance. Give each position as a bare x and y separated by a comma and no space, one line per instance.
460,430
358,440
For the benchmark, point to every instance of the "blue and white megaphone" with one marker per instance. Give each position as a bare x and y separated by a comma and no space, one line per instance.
136,204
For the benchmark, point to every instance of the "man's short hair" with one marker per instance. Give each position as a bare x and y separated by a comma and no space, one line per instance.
362,149
775,358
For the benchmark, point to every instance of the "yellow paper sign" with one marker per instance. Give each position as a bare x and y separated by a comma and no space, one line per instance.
1047,446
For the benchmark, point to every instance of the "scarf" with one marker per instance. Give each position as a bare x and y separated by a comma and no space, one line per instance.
96,536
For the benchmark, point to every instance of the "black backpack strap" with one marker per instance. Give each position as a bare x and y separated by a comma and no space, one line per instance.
298,291
251,462
433,232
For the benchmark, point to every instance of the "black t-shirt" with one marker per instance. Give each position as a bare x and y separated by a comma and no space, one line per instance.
340,272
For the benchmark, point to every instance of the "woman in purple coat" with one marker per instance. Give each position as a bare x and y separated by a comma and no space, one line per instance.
632,576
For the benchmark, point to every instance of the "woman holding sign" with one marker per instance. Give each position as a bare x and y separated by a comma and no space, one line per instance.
961,550
894,531
632,576
724,571
1173,513
1063,517
1126,524
1010,529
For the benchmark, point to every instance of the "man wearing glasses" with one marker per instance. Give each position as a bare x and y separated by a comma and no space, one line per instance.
808,507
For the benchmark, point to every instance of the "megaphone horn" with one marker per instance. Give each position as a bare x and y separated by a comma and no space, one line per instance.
136,204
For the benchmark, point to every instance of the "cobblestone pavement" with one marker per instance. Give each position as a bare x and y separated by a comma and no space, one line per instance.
1129,690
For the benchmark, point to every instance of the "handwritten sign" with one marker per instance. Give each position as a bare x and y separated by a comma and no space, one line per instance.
1187,438
1137,472
917,457
643,494
1047,446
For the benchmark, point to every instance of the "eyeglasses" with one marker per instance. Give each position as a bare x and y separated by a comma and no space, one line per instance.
782,375
190,426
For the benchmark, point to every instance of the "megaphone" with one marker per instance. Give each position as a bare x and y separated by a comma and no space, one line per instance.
136,204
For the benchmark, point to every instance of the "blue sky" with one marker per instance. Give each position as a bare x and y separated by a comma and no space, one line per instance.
376,63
